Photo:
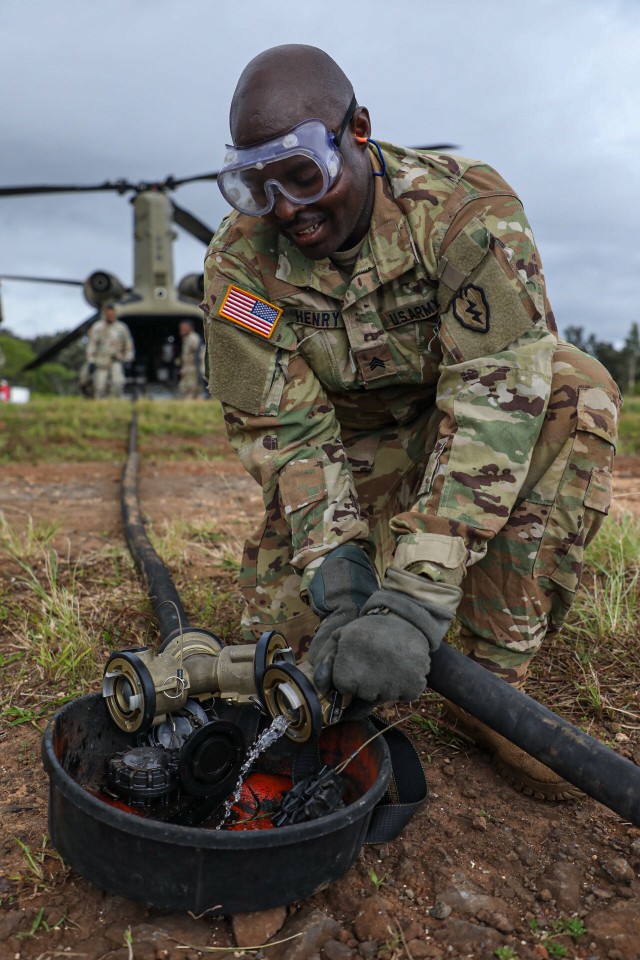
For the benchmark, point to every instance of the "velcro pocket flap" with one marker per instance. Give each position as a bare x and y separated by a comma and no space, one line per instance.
463,255
599,491
598,413
242,368
449,552
302,483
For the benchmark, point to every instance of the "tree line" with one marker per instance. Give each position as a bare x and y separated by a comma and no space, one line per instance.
61,376
622,363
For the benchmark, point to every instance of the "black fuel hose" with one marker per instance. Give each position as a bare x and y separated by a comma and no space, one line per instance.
585,762
582,760
161,590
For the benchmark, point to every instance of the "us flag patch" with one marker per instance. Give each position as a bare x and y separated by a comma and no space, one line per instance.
249,311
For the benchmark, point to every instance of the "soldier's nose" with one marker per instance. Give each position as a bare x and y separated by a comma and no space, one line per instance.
285,210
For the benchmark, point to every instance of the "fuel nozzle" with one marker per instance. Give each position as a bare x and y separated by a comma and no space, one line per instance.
141,687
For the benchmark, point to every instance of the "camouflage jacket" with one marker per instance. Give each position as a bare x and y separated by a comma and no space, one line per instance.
446,305
109,342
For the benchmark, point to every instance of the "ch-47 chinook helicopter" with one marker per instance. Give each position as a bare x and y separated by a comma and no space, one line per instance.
154,306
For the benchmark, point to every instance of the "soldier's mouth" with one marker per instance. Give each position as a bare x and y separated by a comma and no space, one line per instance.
306,233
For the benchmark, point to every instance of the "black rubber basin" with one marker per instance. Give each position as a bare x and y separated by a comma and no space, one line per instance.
195,868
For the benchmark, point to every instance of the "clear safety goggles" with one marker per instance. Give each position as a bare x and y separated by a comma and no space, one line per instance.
302,164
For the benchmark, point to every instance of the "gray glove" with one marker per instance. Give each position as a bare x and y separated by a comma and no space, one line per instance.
385,654
338,589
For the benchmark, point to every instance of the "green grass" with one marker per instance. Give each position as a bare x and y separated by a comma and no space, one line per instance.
52,632
39,925
71,429
608,601
62,615
34,873
60,621
588,672
630,427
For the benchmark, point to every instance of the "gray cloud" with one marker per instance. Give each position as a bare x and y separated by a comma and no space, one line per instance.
547,93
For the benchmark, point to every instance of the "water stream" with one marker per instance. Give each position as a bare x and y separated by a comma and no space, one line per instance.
265,740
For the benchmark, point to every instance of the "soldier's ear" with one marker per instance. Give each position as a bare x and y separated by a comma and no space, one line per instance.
360,125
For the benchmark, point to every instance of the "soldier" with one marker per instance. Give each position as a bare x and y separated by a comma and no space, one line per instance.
110,347
381,341
191,362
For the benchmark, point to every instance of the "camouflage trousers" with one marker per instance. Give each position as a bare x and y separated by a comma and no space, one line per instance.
190,387
109,381
523,587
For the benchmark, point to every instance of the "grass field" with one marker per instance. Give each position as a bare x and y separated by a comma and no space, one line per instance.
70,429
630,427
62,615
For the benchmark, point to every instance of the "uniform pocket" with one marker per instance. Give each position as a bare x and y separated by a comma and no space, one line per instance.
361,449
583,497
302,484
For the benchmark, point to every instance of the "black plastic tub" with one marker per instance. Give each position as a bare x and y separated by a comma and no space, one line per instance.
194,868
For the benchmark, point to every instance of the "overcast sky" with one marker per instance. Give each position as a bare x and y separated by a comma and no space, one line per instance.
547,92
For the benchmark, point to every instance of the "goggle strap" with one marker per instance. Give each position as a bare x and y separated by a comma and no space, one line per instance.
351,109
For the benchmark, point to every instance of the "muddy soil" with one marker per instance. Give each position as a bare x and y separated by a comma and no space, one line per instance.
480,871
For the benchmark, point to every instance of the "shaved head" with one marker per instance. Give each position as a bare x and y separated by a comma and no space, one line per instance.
283,86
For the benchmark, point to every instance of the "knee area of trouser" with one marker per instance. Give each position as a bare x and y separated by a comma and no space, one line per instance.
583,395
568,492
512,666
570,364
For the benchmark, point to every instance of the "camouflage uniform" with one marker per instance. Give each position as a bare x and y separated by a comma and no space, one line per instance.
110,346
421,405
191,366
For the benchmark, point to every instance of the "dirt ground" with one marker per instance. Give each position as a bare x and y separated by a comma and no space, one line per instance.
480,871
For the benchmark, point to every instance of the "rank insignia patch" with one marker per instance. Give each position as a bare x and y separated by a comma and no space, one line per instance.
249,311
470,308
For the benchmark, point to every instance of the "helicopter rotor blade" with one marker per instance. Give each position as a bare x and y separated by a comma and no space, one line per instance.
120,186
192,224
70,283
60,344
433,147
124,186
172,182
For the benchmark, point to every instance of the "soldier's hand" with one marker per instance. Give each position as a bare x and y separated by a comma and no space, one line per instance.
342,583
385,654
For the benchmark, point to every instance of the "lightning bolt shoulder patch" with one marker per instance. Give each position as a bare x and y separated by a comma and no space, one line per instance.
485,305
470,308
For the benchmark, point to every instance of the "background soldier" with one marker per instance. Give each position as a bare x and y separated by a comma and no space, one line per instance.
380,337
110,347
191,362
